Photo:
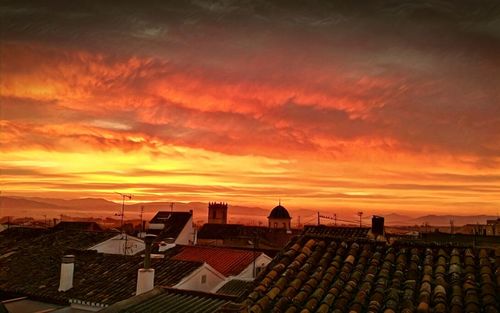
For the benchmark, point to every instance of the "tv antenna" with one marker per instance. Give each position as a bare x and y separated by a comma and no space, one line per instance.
142,212
360,213
122,213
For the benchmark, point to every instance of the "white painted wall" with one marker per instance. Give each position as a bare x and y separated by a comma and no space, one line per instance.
195,280
261,261
156,226
116,245
186,236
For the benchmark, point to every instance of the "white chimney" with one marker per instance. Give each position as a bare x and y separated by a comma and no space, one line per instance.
145,280
146,275
67,269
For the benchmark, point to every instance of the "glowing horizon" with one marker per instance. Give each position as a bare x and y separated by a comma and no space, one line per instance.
250,102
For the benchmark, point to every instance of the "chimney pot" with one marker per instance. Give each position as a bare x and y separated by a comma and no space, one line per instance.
146,275
67,270
145,280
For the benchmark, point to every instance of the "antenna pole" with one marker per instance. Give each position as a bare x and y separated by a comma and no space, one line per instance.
142,211
360,216
122,214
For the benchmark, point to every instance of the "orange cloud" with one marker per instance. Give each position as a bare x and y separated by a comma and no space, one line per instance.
323,118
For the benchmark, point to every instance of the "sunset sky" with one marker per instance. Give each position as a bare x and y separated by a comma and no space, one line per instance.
389,106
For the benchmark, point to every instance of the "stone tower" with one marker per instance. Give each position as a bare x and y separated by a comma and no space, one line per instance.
217,213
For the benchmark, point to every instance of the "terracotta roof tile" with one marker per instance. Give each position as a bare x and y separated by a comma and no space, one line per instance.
321,273
337,231
229,262
235,287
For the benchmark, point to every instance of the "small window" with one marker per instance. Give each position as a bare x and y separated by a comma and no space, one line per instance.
275,225
203,279
259,270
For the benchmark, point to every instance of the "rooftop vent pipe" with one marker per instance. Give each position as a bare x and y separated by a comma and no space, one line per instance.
146,275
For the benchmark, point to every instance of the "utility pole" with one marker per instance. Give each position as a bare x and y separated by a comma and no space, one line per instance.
451,226
171,206
318,218
360,213
335,218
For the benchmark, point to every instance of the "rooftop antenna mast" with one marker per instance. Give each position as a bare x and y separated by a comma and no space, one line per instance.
129,196
360,213
142,212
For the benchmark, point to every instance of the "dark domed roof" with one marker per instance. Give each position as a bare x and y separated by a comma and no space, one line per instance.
279,212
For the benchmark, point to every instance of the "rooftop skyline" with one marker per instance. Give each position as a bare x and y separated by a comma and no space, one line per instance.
384,105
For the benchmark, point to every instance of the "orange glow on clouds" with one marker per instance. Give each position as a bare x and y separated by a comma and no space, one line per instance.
196,120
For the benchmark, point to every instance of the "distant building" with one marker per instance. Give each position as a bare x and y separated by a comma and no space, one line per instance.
78,225
491,228
279,218
217,213
243,236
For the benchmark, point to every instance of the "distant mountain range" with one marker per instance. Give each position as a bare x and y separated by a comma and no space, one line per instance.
16,205
23,206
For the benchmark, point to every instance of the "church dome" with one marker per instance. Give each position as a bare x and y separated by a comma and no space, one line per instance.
279,212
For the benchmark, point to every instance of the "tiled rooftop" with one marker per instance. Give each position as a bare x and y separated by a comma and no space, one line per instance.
101,278
174,223
272,237
235,287
161,300
31,267
321,274
228,262
78,225
32,242
337,231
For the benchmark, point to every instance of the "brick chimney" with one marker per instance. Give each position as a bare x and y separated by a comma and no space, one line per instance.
67,269
146,275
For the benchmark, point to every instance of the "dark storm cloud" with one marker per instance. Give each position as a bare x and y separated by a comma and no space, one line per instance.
421,73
